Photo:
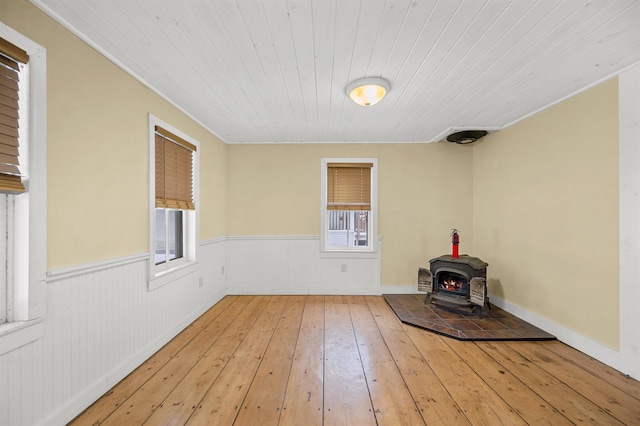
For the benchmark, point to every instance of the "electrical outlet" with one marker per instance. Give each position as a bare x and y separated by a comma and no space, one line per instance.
222,270
343,267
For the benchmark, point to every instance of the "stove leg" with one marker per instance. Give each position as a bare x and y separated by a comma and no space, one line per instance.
427,298
476,309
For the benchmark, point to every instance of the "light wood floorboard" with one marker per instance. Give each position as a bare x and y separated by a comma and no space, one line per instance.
348,360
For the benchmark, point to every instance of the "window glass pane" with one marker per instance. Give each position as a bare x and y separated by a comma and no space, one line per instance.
175,248
161,236
348,228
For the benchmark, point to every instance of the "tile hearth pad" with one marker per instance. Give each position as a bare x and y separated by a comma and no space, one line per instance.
495,324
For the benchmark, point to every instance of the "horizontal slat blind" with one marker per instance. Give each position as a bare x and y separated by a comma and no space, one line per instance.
174,171
349,186
11,57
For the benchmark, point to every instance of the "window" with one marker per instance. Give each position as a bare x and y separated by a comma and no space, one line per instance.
13,124
173,202
169,236
22,188
349,204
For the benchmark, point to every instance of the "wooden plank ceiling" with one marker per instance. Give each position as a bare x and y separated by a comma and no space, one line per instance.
276,70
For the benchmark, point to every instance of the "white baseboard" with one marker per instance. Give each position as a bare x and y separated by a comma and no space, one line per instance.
590,347
316,291
88,396
400,289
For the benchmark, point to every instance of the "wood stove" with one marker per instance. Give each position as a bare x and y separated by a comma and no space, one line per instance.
457,282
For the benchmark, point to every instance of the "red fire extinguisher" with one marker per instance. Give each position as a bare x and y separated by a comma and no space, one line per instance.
455,240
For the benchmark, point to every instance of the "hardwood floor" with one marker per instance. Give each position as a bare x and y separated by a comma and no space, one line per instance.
347,360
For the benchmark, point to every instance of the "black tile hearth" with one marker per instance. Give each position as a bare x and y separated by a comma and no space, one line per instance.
495,324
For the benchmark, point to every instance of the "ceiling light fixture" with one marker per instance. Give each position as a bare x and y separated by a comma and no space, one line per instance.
466,136
368,91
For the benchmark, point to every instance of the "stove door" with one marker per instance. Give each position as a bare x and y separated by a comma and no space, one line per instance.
425,280
478,291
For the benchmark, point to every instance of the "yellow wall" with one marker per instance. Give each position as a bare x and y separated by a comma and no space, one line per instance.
97,149
424,191
537,201
546,213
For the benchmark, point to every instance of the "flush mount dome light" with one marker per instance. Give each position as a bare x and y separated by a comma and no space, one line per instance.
368,91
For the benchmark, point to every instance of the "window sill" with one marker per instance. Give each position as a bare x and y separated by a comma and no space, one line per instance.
17,334
353,253
165,277
348,254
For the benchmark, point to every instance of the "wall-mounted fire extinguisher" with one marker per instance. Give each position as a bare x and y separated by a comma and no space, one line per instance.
455,240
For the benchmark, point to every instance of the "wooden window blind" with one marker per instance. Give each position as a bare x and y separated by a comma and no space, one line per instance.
174,171
349,186
11,58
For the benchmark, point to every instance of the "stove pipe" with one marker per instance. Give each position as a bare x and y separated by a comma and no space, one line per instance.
455,240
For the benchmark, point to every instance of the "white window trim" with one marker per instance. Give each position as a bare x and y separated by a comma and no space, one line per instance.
30,255
161,275
372,249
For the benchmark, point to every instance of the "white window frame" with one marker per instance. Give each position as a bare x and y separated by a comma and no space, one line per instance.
26,302
372,234
165,273
6,257
174,263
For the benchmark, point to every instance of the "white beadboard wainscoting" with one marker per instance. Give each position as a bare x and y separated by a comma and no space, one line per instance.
295,265
101,323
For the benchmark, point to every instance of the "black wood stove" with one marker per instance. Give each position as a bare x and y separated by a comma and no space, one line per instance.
456,282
